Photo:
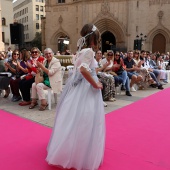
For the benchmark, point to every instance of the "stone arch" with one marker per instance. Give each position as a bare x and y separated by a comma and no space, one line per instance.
158,30
57,35
107,24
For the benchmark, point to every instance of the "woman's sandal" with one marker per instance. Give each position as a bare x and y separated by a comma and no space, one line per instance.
43,107
7,92
33,105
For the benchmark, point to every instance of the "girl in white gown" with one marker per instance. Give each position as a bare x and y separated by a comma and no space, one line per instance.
78,136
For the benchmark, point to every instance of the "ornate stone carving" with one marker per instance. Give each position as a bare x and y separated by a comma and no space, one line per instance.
160,15
60,19
105,8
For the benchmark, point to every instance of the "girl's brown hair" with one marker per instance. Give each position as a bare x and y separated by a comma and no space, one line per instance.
94,37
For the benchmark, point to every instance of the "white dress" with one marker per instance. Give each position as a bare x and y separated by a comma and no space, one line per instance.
78,136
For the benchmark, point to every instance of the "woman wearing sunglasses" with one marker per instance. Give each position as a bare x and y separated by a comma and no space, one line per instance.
51,69
11,68
26,83
22,69
120,69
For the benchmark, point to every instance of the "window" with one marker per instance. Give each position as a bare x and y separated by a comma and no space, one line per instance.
61,1
37,7
3,37
41,8
37,26
3,21
37,17
41,16
137,4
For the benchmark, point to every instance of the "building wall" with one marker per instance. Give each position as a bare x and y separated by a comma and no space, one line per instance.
125,19
1,43
30,15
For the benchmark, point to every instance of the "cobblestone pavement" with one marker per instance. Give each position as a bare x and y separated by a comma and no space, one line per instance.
46,117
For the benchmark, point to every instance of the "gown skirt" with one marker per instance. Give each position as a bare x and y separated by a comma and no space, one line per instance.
78,137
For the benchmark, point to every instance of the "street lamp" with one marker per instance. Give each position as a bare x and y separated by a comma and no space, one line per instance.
138,42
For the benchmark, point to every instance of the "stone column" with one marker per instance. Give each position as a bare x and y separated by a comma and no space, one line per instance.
1,43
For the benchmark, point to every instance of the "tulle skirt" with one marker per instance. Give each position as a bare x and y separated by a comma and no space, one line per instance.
78,136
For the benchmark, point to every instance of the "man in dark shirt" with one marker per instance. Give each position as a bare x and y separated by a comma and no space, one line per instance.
131,69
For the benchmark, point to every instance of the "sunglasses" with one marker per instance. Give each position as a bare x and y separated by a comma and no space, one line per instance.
34,52
117,55
15,54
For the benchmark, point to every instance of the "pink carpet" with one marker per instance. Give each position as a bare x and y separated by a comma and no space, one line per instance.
138,138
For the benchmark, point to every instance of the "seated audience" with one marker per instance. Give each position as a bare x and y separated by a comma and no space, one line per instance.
120,69
22,70
109,57
26,83
132,69
158,60
108,91
10,67
146,77
51,79
154,73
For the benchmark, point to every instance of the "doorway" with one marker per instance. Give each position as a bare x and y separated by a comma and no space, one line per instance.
159,44
108,41
63,44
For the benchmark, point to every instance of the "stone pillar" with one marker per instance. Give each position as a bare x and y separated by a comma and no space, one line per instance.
1,43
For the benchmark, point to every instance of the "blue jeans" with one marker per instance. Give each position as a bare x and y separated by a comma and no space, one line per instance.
124,80
154,78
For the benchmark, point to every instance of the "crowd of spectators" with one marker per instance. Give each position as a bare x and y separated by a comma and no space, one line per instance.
18,73
130,71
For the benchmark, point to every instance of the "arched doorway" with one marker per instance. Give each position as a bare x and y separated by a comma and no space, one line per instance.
159,43
108,41
63,44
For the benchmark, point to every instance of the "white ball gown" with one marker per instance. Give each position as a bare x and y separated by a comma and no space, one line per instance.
78,136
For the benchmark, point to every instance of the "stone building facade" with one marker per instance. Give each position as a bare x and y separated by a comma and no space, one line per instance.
1,43
7,19
29,13
123,24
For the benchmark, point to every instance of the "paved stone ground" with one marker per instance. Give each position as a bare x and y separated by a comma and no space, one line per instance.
46,117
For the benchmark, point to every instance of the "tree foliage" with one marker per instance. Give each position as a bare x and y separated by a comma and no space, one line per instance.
36,42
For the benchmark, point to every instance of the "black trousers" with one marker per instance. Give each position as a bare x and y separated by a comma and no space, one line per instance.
25,86
4,82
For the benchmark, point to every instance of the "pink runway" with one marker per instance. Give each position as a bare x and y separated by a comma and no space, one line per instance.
137,138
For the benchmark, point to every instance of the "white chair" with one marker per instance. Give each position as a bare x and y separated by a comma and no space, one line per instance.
49,98
168,74
118,89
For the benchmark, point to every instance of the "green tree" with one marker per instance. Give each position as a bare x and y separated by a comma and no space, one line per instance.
36,42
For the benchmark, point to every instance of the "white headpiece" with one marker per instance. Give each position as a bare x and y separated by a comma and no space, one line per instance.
82,41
